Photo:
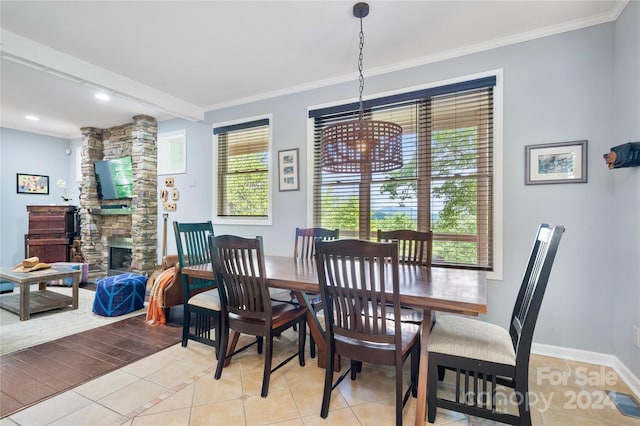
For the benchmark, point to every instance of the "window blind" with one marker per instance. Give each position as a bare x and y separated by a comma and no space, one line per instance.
445,183
243,169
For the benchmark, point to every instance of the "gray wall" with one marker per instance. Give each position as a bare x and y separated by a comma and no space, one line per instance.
624,278
556,89
577,85
30,153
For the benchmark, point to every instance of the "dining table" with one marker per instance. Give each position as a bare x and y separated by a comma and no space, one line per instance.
431,289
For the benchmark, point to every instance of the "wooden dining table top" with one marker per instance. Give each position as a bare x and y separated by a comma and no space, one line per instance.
436,288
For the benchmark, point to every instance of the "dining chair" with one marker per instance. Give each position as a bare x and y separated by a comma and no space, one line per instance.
248,308
304,249
488,359
202,307
414,248
359,282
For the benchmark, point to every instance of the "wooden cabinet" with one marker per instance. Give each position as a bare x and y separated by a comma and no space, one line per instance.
51,232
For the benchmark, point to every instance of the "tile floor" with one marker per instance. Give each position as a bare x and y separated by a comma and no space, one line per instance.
176,387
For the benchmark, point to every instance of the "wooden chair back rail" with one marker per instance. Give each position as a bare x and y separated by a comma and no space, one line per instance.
414,247
305,237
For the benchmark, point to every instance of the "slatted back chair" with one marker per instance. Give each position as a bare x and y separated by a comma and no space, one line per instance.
304,249
484,355
201,298
359,282
248,307
414,247
305,237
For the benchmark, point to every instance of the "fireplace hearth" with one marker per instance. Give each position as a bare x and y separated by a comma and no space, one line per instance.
120,255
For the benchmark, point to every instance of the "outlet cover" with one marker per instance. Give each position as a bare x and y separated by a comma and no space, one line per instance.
636,336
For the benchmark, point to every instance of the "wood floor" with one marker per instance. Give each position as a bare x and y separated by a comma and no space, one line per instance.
39,372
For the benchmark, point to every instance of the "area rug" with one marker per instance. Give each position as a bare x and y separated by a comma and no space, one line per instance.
47,326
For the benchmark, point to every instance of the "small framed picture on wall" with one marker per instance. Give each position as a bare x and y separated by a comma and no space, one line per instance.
32,184
288,170
564,162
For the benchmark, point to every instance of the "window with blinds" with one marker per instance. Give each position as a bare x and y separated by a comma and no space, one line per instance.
446,181
243,170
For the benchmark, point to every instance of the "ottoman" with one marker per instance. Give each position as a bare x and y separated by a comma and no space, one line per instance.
119,295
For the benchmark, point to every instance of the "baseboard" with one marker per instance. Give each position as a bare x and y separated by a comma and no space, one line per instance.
607,360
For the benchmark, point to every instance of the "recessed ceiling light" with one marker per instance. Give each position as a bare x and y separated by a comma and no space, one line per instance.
102,96
31,117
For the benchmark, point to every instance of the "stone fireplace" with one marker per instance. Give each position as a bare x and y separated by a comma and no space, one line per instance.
120,254
120,235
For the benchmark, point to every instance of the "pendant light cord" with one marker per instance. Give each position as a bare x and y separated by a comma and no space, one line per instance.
360,67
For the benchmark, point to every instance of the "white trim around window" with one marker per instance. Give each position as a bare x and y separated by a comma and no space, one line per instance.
221,220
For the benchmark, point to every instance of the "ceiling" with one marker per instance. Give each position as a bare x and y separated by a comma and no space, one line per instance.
172,59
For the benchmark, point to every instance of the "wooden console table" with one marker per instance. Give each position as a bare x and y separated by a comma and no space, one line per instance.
28,302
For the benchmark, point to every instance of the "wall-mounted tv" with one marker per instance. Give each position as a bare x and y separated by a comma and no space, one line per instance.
114,178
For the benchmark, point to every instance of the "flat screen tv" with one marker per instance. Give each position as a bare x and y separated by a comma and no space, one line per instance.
114,178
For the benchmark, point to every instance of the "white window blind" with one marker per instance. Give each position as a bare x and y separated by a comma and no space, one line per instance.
243,170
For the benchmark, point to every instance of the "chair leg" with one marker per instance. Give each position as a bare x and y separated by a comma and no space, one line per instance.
523,404
441,373
415,365
222,346
432,389
267,366
186,324
312,347
356,367
216,319
302,336
328,383
260,345
399,395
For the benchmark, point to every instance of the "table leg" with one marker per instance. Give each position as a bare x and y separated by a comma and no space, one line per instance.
231,345
315,329
421,402
75,293
24,301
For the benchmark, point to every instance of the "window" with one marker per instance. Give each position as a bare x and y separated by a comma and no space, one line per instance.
446,181
243,171
172,152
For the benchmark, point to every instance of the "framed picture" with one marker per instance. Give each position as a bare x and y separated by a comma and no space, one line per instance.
32,184
564,162
288,172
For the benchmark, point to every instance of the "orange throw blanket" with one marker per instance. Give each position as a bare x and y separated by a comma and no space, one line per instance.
155,312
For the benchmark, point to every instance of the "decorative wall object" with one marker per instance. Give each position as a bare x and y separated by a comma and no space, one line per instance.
32,184
564,162
625,155
288,171
169,195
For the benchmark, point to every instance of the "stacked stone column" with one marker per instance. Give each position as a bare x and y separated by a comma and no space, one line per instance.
138,140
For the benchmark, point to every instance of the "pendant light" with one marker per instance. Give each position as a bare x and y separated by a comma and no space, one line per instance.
361,146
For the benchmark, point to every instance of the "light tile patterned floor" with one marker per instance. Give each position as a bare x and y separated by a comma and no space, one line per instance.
176,387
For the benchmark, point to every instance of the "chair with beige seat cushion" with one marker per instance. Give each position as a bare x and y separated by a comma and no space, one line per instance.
485,356
201,300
